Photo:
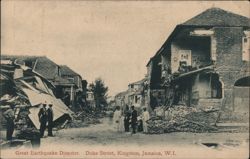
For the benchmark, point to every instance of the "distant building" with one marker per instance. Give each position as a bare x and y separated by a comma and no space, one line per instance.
136,93
90,99
69,84
111,102
121,99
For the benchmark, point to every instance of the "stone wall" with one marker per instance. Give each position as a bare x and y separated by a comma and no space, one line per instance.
206,103
229,64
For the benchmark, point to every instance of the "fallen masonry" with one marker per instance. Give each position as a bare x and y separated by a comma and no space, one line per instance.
27,90
183,119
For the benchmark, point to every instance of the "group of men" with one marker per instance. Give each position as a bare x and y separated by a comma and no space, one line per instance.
129,117
45,116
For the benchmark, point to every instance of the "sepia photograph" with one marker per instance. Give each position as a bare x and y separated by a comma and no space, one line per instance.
117,79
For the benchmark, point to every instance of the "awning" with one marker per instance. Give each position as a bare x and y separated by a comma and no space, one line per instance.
208,68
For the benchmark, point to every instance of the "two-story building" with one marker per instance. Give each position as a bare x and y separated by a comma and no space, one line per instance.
68,83
136,94
121,99
204,62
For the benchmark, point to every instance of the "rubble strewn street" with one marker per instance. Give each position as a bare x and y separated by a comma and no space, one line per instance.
83,119
83,79
183,119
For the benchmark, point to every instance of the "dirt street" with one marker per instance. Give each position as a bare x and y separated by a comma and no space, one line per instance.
102,138
105,134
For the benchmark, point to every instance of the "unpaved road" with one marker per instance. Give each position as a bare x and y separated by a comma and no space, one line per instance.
105,134
92,141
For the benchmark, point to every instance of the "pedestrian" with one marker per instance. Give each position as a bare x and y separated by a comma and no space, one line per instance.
145,118
126,118
139,123
133,119
50,120
117,118
43,117
121,122
10,117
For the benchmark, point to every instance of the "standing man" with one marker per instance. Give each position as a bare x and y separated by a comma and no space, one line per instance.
42,115
145,118
50,119
133,119
126,118
10,117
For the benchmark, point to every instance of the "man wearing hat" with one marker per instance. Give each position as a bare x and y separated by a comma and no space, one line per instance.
133,119
50,119
10,117
42,115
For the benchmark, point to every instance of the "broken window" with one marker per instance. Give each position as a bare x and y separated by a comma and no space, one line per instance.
136,99
185,57
216,87
209,86
185,60
243,82
246,47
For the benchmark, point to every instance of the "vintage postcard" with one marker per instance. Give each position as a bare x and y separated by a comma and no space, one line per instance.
124,79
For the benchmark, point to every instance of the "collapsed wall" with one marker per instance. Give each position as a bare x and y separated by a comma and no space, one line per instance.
27,90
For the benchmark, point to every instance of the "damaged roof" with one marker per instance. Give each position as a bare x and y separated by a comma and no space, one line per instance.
46,67
66,71
139,82
218,17
40,64
209,18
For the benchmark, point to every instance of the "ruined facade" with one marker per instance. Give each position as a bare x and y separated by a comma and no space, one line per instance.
67,82
204,63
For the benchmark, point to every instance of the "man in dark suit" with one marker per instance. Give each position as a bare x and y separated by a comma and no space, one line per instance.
42,115
133,119
126,118
10,117
50,119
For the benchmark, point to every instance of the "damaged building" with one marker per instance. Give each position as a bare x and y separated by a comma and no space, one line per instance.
69,86
135,95
27,90
203,63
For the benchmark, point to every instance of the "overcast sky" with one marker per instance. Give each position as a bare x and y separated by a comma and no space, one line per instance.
107,39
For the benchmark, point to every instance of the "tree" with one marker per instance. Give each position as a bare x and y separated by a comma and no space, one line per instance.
100,93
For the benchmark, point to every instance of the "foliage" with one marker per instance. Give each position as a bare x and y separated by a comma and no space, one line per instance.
100,93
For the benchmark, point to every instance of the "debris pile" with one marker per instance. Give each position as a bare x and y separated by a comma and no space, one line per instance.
31,134
26,90
183,119
83,119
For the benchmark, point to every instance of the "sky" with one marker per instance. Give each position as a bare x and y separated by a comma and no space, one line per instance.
113,40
